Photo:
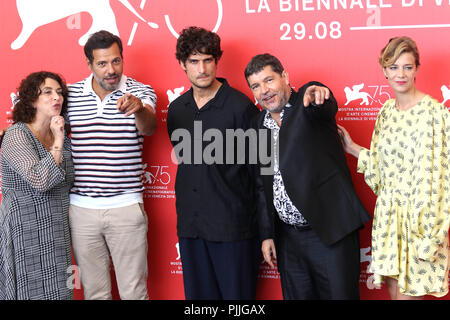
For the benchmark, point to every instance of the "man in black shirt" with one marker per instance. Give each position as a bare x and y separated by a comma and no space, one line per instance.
216,200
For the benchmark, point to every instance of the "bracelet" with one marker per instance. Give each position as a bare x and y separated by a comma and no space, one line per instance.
55,148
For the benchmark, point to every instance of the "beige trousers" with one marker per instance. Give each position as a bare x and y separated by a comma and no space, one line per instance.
120,233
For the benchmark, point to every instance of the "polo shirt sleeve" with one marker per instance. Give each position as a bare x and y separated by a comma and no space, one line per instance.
148,96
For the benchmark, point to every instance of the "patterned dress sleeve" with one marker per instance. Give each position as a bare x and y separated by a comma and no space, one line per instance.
20,153
368,160
432,214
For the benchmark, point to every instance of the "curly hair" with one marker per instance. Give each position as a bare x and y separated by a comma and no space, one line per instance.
29,92
197,40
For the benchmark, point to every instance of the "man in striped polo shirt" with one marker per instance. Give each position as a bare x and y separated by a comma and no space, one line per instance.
109,114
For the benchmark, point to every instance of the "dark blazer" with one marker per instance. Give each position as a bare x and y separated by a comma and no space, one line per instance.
314,170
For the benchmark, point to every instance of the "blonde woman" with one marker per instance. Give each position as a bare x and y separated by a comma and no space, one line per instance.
407,167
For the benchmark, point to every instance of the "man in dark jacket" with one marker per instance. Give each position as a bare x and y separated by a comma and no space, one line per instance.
313,217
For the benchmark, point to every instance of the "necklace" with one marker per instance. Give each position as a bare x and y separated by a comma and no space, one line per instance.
411,103
45,138
408,106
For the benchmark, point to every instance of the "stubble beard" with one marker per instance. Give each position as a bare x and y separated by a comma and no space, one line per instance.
107,86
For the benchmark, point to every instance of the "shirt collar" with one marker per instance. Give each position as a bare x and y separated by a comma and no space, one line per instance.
217,101
87,88
269,122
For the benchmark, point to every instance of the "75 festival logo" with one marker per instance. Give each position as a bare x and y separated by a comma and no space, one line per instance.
155,174
378,94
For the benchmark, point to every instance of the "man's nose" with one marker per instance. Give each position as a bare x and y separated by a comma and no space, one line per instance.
201,67
110,68
264,88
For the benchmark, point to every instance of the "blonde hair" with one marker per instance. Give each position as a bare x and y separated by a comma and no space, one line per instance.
396,47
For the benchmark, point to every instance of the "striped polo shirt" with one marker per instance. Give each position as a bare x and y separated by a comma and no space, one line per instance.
106,145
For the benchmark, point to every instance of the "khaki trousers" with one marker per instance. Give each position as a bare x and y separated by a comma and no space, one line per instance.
119,233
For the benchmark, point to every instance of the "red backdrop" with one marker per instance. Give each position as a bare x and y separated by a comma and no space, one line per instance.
336,42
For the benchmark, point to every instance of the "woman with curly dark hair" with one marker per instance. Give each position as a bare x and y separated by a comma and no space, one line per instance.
37,174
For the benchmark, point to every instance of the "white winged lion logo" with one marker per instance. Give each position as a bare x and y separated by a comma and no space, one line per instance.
36,13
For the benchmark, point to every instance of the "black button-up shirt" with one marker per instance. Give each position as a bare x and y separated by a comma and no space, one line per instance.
214,201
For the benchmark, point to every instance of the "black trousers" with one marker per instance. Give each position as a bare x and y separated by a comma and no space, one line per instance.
311,270
220,270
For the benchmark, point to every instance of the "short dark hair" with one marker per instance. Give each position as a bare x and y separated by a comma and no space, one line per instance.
29,91
101,40
196,39
260,61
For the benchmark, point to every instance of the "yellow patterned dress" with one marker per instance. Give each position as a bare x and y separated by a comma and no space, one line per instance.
407,167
